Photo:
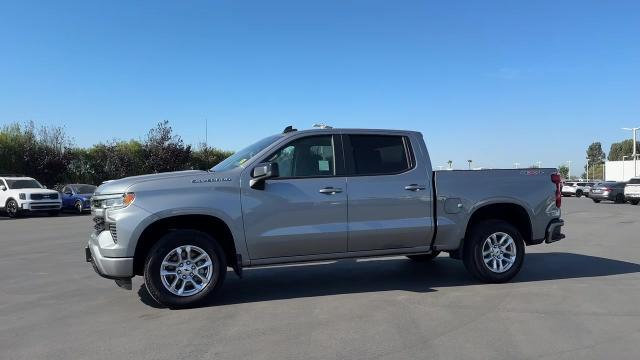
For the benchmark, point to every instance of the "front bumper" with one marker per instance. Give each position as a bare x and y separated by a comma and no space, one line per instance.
632,196
29,205
108,267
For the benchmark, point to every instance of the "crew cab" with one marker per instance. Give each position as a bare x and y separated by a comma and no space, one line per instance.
316,195
20,195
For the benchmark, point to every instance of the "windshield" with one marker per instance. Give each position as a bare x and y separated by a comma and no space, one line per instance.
84,189
245,154
23,184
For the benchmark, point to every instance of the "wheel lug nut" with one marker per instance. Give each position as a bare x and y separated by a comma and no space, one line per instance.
184,276
188,262
193,267
179,272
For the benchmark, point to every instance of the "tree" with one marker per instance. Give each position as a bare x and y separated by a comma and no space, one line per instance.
163,151
564,171
450,162
470,161
206,157
595,154
622,148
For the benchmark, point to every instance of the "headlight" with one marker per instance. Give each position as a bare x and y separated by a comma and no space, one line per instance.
112,202
22,196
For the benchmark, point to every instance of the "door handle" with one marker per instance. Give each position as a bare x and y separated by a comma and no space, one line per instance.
330,191
415,187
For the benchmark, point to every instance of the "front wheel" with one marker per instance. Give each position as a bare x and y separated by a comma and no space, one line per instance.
494,251
184,268
634,202
579,193
596,201
424,257
619,199
78,207
11,208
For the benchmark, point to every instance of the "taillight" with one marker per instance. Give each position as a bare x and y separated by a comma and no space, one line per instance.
555,178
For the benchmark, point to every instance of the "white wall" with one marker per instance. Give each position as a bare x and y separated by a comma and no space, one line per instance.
620,170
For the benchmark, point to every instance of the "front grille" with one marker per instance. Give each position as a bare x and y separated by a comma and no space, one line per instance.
44,196
114,233
98,224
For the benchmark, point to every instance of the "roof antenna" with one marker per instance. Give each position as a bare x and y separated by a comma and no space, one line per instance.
289,129
322,126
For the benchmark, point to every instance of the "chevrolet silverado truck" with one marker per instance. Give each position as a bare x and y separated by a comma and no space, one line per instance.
315,195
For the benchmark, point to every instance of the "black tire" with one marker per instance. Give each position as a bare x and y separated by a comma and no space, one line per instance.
634,202
579,193
54,213
596,201
11,209
167,244
619,199
78,207
424,257
472,254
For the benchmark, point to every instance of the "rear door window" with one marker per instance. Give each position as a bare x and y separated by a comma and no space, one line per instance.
378,154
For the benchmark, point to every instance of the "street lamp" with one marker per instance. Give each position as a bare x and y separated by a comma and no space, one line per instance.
587,169
539,163
569,163
516,165
635,166
469,161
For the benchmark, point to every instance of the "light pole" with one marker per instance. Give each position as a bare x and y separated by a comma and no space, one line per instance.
623,163
469,161
587,169
569,163
539,163
635,166
516,165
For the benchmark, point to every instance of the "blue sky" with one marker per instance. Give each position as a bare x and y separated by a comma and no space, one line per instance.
492,81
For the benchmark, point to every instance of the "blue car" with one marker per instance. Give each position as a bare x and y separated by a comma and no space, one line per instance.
77,197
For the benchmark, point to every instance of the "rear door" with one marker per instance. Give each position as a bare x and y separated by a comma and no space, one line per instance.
390,200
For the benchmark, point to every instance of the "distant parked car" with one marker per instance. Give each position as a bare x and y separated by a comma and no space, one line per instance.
577,189
77,197
20,194
611,191
632,191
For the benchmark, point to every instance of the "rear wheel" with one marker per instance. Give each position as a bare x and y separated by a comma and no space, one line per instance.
596,201
11,208
184,268
619,199
494,251
424,257
634,202
579,193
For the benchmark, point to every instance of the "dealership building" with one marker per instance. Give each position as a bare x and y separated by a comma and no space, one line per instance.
621,170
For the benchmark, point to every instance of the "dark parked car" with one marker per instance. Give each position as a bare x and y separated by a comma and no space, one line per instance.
611,191
77,197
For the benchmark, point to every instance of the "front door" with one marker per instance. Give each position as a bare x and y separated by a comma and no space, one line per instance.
304,210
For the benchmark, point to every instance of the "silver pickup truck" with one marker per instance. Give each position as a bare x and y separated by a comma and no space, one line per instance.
315,195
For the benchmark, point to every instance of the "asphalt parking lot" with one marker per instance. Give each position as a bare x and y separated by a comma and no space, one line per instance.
579,298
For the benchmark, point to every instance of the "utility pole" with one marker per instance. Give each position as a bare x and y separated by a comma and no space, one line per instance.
635,166
469,161
539,163
569,163
206,132
516,165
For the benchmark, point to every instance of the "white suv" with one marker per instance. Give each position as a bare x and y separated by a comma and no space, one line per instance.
19,194
577,189
632,191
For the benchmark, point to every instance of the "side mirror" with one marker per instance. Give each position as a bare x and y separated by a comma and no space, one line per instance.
68,193
3,188
262,172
